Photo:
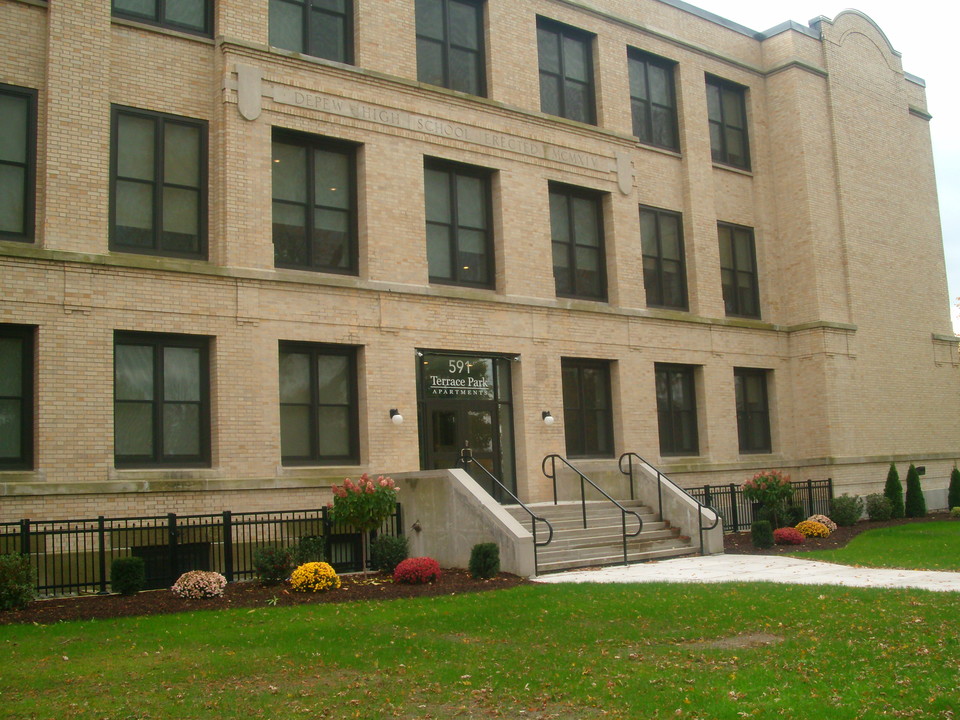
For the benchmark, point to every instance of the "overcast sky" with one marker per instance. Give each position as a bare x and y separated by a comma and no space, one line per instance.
924,32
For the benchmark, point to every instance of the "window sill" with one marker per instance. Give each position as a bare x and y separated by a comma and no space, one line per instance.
746,172
183,35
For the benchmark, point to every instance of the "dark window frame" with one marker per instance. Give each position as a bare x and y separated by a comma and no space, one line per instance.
160,120
314,350
571,192
311,143
308,42
567,32
29,166
158,342
654,300
159,18
674,423
447,45
454,170
26,335
749,421
577,444
723,124
742,268
646,105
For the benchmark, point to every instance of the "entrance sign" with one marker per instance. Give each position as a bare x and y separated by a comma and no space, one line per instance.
447,376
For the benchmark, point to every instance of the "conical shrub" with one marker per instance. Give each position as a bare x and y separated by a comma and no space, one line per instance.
916,506
893,490
953,494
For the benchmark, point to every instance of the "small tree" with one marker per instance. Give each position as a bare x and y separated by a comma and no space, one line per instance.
953,494
894,492
916,506
364,506
772,489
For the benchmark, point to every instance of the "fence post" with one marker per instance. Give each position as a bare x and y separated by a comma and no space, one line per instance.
829,493
398,527
809,497
25,537
326,525
102,553
734,510
172,547
707,497
228,545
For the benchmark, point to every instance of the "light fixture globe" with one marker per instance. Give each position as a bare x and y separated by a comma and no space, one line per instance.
548,419
395,417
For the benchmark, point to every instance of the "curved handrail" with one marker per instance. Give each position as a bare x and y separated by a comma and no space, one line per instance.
660,480
553,457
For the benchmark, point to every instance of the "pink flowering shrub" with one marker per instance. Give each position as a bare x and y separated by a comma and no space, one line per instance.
824,520
198,584
417,571
787,536
364,506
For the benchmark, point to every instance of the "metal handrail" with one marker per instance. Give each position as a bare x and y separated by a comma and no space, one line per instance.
553,457
629,456
466,457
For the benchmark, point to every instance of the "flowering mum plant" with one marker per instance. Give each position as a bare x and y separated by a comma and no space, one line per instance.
364,505
809,528
772,489
824,520
314,577
417,571
787,536
198,584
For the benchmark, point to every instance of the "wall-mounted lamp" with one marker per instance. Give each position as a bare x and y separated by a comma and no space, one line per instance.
548,419
395,417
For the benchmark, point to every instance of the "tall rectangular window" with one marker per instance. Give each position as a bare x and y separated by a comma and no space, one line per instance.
450,44
753,411
677,409
459,237
158,184
576,230
314,203
587,409
727,113
664,270
18,117
566,71
318,404
652,99
16,397
738,271
192,16
161,400
321,28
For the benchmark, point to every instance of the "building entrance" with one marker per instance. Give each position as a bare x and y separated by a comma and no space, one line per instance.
465,402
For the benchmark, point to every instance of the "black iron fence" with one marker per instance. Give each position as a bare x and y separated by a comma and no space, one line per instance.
813,496
74,556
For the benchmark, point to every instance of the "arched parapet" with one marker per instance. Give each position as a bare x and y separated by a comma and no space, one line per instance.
854,25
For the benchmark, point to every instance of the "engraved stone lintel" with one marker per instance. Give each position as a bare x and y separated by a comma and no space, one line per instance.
249,91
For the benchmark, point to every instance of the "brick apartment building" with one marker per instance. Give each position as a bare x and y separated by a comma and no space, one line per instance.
237,235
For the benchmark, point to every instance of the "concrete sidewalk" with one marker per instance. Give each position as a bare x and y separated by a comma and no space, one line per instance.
760,568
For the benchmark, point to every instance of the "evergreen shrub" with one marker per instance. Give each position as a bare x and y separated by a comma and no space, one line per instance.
846,509
953,494
311,548
272,565
879,507
16,582
128,575
916,505
761,534
388,551
955,513
484,561
893,490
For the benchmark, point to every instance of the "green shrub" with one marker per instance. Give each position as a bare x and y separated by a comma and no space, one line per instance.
761,534
128,575
16,582
484,561
953,494
955,513
388,551
893,490
794,515
846,510
916,505
879,507
311,548
272,565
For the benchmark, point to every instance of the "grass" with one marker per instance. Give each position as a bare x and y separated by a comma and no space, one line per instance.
916,546
542,651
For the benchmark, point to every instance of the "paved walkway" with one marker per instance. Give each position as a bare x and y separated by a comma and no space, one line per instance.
765,568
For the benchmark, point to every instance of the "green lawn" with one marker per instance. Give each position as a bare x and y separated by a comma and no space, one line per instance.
915,546
543,651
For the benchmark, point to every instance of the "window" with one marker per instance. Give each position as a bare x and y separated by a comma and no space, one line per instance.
193,16
450,44
314,203
566,71
727,112
459,247
664,272
738,271
652,100
18,113
161,400
321,28
16,397
587,413
753,414
676,409
318,404
576,229
159,184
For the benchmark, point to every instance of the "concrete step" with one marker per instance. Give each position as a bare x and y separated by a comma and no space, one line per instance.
546,564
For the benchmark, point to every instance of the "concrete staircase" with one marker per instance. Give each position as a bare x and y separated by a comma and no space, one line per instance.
601,543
